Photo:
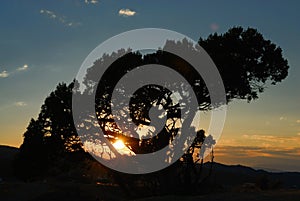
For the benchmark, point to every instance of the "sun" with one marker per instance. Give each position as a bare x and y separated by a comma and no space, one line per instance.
119,144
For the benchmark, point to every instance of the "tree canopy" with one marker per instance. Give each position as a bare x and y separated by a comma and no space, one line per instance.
246,61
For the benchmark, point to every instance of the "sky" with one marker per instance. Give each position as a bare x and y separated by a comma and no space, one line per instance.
43,43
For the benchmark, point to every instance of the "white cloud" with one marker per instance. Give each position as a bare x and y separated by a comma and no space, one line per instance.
282,118
126,12
59,18
48,13
214,26
24,67
4,74
91,1
20,104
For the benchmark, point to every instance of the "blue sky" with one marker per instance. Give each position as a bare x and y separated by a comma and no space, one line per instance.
44,43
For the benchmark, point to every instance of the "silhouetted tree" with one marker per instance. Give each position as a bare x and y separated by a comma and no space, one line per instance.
51,137
246,61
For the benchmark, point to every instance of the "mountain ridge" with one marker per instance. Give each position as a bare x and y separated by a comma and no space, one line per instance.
229,175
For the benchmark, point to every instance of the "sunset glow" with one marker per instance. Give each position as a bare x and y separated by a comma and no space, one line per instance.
119,144
43,44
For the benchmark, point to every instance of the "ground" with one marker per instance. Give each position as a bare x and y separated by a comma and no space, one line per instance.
235,196
68,191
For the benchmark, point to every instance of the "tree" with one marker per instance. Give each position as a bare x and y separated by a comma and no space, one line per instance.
51,137
247,62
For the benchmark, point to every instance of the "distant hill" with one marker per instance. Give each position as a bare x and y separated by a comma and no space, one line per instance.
225,175
235,175
7,155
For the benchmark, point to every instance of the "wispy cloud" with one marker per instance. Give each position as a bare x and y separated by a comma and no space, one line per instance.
59,18
22,68
273,140
268,138
214,26
4,74
126,12
91,1
282,118
20,104
283,158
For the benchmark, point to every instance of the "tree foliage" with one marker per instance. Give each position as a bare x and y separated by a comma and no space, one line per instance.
50,137
246,61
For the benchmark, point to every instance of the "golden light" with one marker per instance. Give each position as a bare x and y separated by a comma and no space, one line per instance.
119,144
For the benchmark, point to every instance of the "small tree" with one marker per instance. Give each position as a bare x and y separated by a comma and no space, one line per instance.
49,139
